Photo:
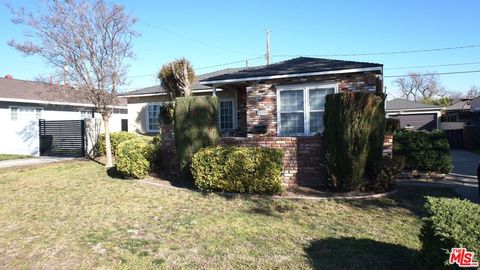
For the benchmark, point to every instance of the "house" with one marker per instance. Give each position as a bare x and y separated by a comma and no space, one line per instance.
279,105
458,115
23,103
418,116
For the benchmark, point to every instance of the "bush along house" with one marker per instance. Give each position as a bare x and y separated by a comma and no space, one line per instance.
279,105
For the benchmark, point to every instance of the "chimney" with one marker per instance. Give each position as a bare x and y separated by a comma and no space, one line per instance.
8,76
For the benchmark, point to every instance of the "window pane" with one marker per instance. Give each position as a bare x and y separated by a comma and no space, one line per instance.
14,113
291,100
226,114
291,123
316,122
317,97
153,117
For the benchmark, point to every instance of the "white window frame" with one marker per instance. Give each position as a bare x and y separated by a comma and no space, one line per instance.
147,115
18,117
306,104
234,113
82,112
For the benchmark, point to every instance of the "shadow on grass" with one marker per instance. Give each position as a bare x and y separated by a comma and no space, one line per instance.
412,198
352,253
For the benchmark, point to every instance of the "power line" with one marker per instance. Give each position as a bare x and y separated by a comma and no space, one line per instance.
190,39
439,73
383,53
439,65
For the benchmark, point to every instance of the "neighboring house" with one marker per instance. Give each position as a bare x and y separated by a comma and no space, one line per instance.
458,115
284,101
416,115
24,103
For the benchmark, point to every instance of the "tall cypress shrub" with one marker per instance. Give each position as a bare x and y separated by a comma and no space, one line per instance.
195,127
353,137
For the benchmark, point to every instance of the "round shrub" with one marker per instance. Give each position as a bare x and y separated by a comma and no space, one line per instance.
384,173
133,157
115,139
238,169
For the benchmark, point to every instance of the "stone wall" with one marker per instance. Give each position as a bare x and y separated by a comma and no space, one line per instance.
262,109
303,156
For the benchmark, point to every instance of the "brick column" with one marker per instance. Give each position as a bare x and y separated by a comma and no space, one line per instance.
262,108
168,151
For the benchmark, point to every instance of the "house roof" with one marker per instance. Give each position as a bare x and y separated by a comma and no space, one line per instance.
301,66
40,92
403,104
157,89
462,105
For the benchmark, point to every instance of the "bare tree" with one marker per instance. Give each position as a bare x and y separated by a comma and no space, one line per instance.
177,78
473,92
417,87
85,41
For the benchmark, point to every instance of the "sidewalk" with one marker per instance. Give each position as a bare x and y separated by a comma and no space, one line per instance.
467,191
31,161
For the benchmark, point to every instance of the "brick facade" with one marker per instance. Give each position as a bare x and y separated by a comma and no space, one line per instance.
262,108
303,156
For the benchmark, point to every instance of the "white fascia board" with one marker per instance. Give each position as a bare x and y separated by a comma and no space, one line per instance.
422,110
144,95
343,71
53,102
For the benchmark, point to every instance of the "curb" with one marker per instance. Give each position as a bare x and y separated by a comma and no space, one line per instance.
262,196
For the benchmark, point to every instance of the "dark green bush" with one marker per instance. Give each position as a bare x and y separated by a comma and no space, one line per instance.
238,169
353,136
195,127
449,223
392,125
115,139
134,156
423,150
385,172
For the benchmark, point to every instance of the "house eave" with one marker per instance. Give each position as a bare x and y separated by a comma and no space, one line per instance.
285,76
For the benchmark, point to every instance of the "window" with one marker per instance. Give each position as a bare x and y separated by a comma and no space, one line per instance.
227,114
302,108
153,117
25,113
85,114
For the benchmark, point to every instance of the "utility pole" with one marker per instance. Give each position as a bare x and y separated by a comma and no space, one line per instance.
268,46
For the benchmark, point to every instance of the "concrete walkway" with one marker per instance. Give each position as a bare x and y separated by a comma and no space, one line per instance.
465,191
30,161
464,162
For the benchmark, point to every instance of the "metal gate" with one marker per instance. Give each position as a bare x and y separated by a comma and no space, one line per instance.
62,138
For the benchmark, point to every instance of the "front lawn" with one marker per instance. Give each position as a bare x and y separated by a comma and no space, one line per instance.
12,156
73,215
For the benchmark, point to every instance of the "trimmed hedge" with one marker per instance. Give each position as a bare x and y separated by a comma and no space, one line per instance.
384,173
353,136
238,169
115,138
450,223
423,150
134,156
195,127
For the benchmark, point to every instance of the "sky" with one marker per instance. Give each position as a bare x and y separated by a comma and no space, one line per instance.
213,33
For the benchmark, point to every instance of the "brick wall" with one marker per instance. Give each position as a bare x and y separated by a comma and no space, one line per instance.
262,108
303,156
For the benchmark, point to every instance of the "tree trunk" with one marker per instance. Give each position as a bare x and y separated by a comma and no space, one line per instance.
108,145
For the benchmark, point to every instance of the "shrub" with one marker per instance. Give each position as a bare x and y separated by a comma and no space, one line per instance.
195,127
423,150
384,173
134,156
115,139
449,223
354,134
392,125
238,169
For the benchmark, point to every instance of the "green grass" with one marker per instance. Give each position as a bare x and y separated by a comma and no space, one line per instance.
74,216
12,156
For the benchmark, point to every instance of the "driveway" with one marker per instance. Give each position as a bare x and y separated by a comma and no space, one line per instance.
30,161
464,162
